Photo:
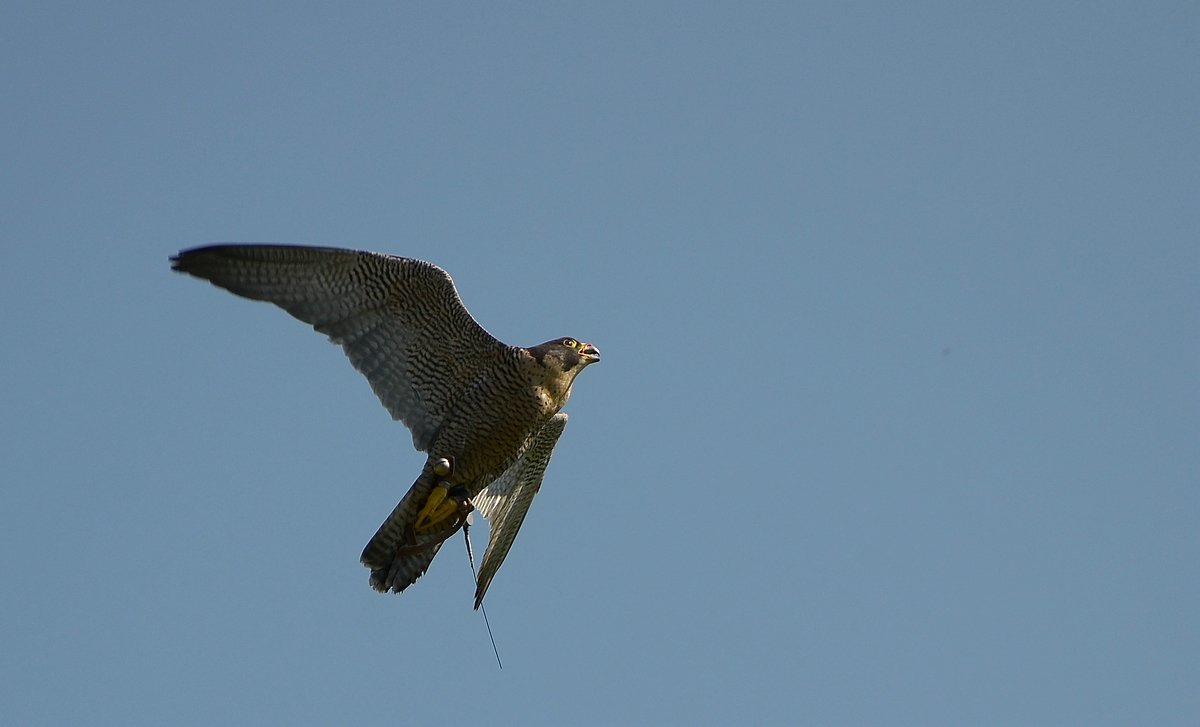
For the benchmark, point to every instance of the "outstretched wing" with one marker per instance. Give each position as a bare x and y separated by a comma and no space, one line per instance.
506,500
399,320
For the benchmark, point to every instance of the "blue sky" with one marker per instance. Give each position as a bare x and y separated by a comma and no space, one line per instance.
898,418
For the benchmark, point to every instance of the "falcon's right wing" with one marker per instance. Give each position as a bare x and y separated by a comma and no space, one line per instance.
506,500
399,320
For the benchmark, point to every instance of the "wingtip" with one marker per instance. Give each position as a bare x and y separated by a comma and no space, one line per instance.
481,591
183,261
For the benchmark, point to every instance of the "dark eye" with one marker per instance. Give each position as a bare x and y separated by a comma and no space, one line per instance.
570,342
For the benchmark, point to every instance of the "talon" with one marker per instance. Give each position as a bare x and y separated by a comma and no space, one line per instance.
433,504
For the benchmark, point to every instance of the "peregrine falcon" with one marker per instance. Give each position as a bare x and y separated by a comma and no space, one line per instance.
486,414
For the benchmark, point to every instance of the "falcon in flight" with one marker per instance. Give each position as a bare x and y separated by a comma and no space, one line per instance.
486,414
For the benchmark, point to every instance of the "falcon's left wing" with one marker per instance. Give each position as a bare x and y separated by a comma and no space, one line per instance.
506,500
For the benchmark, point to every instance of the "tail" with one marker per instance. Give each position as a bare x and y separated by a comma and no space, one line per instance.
397,556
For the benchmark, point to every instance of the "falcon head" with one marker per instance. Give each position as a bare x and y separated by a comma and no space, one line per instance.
567,355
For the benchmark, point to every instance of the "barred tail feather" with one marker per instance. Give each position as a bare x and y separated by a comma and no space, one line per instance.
391,571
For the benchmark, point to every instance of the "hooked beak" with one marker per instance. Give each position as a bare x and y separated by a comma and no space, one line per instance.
590,353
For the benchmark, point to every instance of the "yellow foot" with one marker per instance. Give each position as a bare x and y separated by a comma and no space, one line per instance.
437,508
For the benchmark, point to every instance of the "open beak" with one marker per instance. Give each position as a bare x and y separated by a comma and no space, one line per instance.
590,353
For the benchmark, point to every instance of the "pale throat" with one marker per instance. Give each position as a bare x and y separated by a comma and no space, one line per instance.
556,384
